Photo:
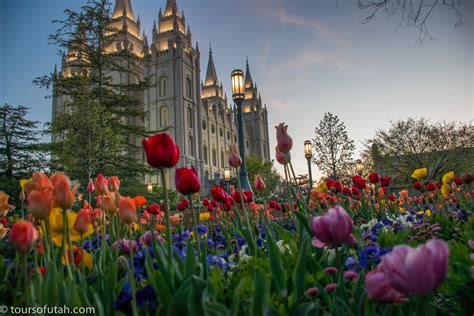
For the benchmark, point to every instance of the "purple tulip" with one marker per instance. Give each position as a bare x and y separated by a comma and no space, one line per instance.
379,289
417,270
350,275
312,291
330,287
334,227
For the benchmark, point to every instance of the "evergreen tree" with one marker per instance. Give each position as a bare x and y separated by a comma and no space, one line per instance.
256,166
20,149
100,125
333,147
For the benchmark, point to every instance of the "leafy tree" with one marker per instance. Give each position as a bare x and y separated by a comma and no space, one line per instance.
98,128
333,148
20,149
256,165
415,143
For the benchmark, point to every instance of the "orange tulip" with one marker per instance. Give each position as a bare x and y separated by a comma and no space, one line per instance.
114,183
110,204
63,195
4,206
23,235
139,200
127,210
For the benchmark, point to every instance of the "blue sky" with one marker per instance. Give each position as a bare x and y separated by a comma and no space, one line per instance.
307,57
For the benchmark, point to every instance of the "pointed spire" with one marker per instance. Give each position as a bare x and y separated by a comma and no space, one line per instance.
160,15
171,8
123,8
138,21
197,47
211,75
248,78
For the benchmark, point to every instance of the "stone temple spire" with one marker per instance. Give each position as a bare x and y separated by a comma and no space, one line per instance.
211,75
123,6
248,78
171,8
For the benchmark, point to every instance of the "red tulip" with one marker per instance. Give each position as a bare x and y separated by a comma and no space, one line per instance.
334,227
338,187
83,220
355,191
284,140
101,184
274,205
330,184
205,202
161,151
346,190
385,181
417,185
214,203
431,186
281,157
374,178
127,210
228,205
260,185
180,206
153,209
23,235
458,181
234,158
392,197
218,194
187,180
359,182
379,289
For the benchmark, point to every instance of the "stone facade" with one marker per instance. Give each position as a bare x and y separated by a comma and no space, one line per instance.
202,122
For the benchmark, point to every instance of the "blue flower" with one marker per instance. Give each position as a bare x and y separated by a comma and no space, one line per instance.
202,229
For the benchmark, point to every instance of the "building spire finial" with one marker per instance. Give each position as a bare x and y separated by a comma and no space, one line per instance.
210,49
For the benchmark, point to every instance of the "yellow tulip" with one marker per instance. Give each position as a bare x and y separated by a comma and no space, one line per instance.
57,225
204,216
448,177
323,188
23,182
402,210
419,173
428,212
445,188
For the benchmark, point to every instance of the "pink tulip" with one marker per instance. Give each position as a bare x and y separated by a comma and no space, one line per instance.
284,140
90,186
147,239
83,220
234,158
330,287
63,195
312,291
334,227
260,185
281,157
127,210
114,183
40,203
350,275
330,270
23,235
101,184
417,270
379,289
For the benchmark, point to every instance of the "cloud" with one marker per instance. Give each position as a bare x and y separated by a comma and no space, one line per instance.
312,56
283,16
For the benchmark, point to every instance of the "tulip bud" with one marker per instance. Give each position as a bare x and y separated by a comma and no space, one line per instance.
374,178
64,196
234,158
114,183
127,210
23,235
260,185
90,186
285,142
101,184
110,205
83,220
385,181
40,204
281,157
187,181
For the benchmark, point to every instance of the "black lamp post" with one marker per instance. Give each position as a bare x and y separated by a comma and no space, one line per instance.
308,153
238,95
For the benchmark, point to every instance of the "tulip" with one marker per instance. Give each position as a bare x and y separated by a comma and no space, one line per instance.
39,182
127,210
63,195
101,184
281,157
330,270
331,184
205,201
139,200
260,185
110,204
187,181
417,186
379,288
467,178
374,178
90,186
358,182
284,140
448,177
234,158
346,190
417,270
350,275
218,194
458,181
385,181
180,206
161,151
312,291
355,191
23,235
114,183
431,186
392,197
330,287
146,239
4,206
83,220
420,173
445,188
40,203
334,227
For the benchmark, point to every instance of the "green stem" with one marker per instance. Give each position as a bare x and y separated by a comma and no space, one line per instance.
132,272
195,224
167,218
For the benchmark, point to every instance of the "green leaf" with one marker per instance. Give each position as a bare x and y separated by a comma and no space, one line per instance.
190,262
276,266
299,272
258,300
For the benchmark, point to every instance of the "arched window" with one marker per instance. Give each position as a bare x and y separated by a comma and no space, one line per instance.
163,86
189,91
214,157
222,159
190,118
191,146
164,117
204,149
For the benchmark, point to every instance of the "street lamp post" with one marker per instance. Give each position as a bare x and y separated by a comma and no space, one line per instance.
149,187
238,96
308,153
359,167
227,178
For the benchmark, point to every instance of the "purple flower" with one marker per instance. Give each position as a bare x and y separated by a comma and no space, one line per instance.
334,227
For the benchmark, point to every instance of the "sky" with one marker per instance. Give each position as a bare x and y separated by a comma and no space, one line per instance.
307,57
